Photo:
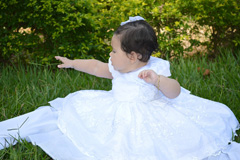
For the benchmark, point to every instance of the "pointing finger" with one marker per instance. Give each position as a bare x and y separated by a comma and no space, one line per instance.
57,57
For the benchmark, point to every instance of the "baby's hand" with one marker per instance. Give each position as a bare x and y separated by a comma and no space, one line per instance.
67,63
149,76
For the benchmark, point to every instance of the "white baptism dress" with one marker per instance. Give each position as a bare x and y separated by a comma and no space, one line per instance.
133,121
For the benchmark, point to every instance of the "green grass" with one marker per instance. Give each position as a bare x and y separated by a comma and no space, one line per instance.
221,85
25,88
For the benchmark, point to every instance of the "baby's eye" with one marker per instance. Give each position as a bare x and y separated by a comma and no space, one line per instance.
113,51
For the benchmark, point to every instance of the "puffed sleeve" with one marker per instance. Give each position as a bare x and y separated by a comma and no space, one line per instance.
160,66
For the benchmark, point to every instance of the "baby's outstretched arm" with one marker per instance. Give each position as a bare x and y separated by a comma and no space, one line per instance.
169,87
90,66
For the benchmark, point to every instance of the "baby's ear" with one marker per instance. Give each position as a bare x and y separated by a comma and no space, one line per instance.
133,56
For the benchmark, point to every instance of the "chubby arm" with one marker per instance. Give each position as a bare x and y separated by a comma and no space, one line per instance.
169,87
90,66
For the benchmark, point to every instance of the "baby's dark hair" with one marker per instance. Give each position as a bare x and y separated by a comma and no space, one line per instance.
138,36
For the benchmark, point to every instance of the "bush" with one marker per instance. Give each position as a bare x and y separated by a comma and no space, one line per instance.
41,29
75,29
218,20
56,28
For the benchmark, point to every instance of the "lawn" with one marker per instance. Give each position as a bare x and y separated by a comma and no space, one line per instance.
25,88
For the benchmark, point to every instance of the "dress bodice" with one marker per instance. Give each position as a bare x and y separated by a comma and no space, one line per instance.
128,87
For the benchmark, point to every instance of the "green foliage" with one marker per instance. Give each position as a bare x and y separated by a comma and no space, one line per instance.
220,19
207,23
58,27
170,28
40,29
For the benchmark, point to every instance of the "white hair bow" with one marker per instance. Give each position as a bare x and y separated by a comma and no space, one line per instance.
132,19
